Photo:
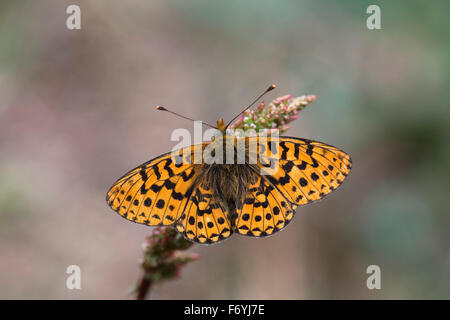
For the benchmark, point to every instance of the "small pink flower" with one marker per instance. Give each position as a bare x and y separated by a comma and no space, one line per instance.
277,114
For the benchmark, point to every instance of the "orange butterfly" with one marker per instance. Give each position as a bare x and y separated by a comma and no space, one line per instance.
208,202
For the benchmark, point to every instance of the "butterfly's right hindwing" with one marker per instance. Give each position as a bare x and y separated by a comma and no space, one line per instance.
265,210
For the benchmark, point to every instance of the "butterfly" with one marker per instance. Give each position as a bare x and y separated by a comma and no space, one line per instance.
208,202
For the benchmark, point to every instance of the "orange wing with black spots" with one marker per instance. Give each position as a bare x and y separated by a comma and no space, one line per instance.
156,192
308,170
265,210
204,220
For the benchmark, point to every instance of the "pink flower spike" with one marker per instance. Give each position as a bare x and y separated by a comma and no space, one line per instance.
194,256
311,98
261,106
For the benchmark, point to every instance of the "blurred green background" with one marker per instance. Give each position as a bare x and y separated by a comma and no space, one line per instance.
76,112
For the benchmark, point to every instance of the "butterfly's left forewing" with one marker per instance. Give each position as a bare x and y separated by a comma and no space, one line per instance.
156,192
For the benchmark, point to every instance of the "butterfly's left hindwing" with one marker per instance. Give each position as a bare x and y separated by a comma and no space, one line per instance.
156,192
204,220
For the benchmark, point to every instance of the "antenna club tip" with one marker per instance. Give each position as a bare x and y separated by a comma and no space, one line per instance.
271,87
160,108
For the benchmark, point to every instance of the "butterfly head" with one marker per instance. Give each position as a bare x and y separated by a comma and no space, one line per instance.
221,126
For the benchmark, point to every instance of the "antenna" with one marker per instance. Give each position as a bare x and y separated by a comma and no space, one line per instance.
161,108
251,104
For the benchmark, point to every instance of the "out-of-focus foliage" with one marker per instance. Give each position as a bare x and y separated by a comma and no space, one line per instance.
76,111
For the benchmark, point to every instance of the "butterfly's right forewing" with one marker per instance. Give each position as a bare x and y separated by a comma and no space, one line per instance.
308,170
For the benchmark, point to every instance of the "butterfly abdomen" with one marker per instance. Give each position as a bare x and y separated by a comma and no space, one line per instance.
229,183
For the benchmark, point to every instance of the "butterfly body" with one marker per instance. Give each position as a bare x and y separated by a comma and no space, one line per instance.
228,184
212,190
